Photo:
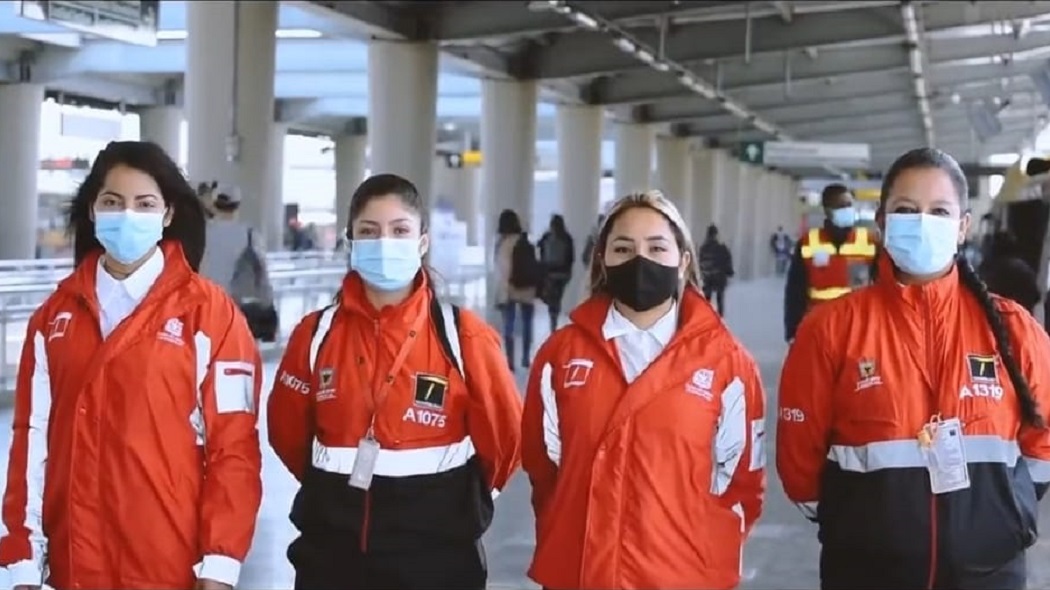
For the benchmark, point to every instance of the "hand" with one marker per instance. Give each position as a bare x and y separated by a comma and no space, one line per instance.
206,584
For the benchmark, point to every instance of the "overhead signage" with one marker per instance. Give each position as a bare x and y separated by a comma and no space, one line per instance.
130,21
470,158
752,152
809,154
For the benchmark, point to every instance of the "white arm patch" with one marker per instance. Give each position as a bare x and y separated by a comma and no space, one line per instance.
731,437
234,383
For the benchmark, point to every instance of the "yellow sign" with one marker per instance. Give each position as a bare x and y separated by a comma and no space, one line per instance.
867,194
472,158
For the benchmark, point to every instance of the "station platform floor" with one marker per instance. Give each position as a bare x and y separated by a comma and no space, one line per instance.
782,551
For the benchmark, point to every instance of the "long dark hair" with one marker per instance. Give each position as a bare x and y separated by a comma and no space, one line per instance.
187,214
927,158
509,223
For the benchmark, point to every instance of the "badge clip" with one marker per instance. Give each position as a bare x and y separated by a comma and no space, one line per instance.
929,431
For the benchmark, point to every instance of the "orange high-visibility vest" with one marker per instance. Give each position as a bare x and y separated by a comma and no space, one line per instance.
829,268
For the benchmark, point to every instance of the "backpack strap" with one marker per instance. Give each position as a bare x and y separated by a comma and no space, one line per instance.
443,316
446,319
321,330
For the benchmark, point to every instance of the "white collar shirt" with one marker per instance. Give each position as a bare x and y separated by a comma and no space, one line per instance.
638,348
117,299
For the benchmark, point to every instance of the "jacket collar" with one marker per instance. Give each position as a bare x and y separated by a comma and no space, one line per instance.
943,290
663,330
353,300
695,316
175,272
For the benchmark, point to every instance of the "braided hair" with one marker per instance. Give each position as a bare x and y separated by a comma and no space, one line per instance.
933,158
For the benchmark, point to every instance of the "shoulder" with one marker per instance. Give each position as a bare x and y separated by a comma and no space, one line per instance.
57,304
1018,321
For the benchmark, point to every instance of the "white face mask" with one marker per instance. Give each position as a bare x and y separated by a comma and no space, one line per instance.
844,217
921,244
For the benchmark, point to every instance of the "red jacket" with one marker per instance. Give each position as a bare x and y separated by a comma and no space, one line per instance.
135,457
653,484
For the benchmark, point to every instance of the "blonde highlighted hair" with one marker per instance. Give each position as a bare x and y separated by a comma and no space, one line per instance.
655,200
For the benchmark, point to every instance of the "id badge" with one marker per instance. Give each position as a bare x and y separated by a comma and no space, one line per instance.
946,457
821,258
364,463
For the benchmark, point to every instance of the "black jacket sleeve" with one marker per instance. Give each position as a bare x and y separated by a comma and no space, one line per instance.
796,294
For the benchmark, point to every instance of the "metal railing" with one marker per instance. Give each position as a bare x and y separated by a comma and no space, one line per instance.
302,282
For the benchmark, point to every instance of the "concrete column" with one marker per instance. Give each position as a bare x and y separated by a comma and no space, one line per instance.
674,172
20,109
350,152
709,188
508,147
729,224
762,223
746,193
273,198
163,126
634,158
230,56
579,132
402,110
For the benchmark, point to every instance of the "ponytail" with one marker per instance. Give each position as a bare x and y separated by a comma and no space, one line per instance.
1029,410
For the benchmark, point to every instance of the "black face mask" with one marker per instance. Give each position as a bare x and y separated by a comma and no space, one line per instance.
642,284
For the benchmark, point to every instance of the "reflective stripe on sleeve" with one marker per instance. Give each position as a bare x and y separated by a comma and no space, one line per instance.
396,462
829,293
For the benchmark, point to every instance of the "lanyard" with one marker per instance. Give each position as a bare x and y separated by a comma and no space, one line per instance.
379,396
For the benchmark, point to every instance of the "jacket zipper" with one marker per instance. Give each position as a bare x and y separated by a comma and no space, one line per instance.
933,542
936,402
365,522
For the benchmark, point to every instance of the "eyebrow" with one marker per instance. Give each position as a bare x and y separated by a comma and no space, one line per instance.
136,197
648,239
376,223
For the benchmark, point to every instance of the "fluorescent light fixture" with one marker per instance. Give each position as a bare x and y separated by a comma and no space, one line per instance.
584,20
661,66
625,44
298,34
736,110
177,35
645,56
171,35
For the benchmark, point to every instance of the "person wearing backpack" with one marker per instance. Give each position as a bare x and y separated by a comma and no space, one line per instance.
397,415
234,260
520,276
557,255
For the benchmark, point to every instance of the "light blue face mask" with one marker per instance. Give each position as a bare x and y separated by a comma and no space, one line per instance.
921,244
845,217
386,264
128,236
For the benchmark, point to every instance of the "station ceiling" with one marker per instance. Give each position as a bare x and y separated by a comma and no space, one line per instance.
727,72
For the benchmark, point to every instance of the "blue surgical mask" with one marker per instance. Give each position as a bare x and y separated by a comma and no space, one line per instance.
128,235
921,244
844,217
386,264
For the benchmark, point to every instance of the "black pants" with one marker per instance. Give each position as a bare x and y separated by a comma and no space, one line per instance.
328,564
718,291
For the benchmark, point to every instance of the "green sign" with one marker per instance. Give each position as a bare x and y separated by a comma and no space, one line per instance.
752,152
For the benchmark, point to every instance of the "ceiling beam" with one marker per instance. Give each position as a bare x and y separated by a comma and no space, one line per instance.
473,21
762,98
376,19
784,113
585,53
794,67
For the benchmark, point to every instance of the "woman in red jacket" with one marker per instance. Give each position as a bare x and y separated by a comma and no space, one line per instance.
644,420
135,457
398,415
